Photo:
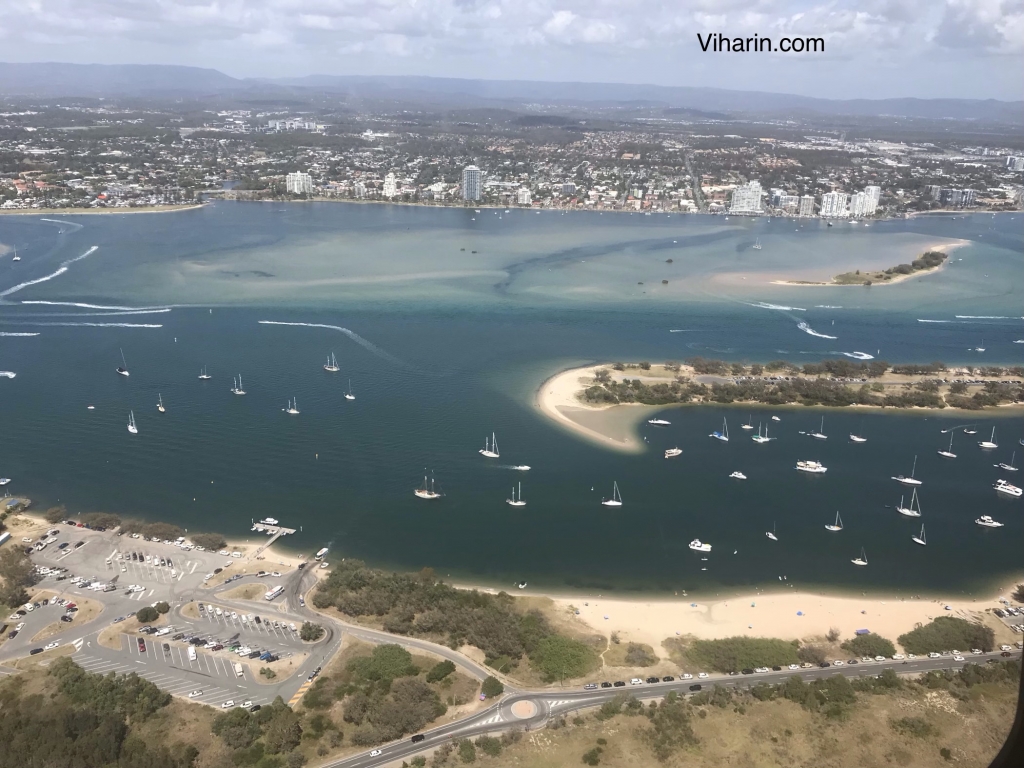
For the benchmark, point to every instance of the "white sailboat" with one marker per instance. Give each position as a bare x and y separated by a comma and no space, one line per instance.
671,453
427,491
699,546
123,368
910,511
748,425
757,244
616,499
131,423
991,442
16,256
293,407
1008,467
759,438
820,434
490,449
837,525
236,386
349,395
948,453
862,560
516,501
909,480
771,534
724,434
332,364
203,375
920,539
160,403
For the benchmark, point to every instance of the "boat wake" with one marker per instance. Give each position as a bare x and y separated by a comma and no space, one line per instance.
682,330
94,306
60,271
807,329
986,317
74,227
4,333
84,325
939,321
101,314
782,307
368,345
8,374
857,355
826,306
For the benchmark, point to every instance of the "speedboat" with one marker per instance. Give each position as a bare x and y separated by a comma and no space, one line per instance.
815,467
671,453
521,467
738,476
987,522
1010,490
699,546
659,422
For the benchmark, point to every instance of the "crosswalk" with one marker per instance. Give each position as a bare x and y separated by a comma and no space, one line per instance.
493,719
78,644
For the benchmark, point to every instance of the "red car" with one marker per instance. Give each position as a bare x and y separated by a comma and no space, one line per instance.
142,645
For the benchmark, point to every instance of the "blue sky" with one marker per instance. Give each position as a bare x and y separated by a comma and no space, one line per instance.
874,48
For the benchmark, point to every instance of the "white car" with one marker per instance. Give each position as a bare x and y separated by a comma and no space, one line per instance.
234,615
275,574
911,656
794,666
51,646
135,535
761,669
977,651
687,676
636,681
934,655
898,657
838,663
291,626
879,658
376,753
194,694
1004,647
246,704
702,674
957,657
219,612
20,626
227,704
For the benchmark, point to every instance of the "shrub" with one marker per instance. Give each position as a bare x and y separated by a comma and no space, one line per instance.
913,726
869,645
162,607
732,654
1018,593
268,673
310,631
55,514
147,614
467,751
946,633
492,687
489,745
557,658
212,541
592,756
387,662
638,655
440,671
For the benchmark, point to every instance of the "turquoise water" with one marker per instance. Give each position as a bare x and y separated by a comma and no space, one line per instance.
444,346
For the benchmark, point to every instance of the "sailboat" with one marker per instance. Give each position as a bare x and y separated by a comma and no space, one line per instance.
616,499
820,434
991,442
857,438
748,425
331,364
759,438
723,435
771,534
16,256
516,501
236,386
757,244
909,480
123,368
203,375
160,403
293,407
427,491
131,423
490,449
948,453
837,525
862,560
349,395
920,539
1008,467
910,511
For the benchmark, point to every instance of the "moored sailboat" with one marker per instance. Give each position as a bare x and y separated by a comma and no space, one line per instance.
910,511
837,525
724,434
490,449
616,499
862,559
131,423
123,368
948,453
516,501
920,539
908,480
160,403
427,491
331,365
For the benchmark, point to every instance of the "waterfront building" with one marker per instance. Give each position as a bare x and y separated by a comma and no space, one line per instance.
747,198
299,183
523,196
471,183
806,205
390,186
834,205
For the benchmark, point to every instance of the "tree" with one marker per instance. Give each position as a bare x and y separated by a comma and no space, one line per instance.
1018,593
147,614
558,658
467,751
869,645
310,631
492,687
16,573
162,607
440,671
489,745
211,541
56,514
283,731
295,759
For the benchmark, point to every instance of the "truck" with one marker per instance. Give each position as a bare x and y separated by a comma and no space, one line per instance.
4,537
274,593
191,653
238,670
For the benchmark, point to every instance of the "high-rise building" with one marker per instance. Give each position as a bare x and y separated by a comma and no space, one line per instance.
933,191
360,190
746,198
299,183
471,183
789,202
957,198
834,204
523,196
806,205
390,187
874,194
568,188
858,202
1014,163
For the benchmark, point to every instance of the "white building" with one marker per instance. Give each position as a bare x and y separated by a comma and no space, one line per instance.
523,196
747,198
834,205
471,183
806,205
789,202
390,187
299,183
360,190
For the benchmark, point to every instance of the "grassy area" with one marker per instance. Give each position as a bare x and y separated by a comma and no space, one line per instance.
947,633
245,592
633,655
731,654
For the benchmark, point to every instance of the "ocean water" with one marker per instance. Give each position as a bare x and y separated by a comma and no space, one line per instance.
444,346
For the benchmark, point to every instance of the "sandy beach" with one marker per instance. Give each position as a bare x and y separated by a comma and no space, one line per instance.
945,247
95,211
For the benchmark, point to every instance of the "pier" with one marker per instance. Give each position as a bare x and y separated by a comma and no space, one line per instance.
273,531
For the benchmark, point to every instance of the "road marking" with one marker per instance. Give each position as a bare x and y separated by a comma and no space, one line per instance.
491,720
78,643
300,693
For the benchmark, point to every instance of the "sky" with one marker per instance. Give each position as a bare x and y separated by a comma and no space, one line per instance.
873,48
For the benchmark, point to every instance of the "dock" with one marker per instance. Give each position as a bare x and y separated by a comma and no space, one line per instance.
273,531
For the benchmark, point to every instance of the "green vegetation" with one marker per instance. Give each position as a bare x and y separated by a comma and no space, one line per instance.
1018,593
489,745
927,260
423,606
56,514
467,751
733,654
147,614
492,687
274,730
638,655
162,531
100,519
670,727
440,671
211,541
162,607
310,631
869,645
16,573
947,633
913,726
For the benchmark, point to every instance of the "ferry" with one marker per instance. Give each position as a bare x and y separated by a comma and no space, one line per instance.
814,467
699,546
320,554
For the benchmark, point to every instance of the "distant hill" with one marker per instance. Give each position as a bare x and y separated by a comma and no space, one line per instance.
48,80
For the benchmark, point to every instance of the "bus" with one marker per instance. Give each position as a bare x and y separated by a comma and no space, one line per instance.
274,593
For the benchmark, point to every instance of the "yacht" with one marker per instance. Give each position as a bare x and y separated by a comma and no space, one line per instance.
160,403
757,244
910,511
4,480
857,438
236,386
759,438
723,435
123,368
815,467
988,522
837,525
521,467
274,521
349,395
1008,467
909,480
671,453
516,501
203,375
748,425
820,434
948,453
699,546
991,442
1010,490
616,499
776,418
131,423
427,491
490,449
659,422
293,407
771,534
862,559
920,539
738,476
332,364
970,431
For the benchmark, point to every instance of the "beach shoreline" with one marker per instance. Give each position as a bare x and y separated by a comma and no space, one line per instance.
946,247
96,211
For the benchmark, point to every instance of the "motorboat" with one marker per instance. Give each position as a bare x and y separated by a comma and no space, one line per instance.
814,467
1010,490
910,511
987,522
699,546
738,476
490,449
427,491
659,422
991,442
616,499
521,467
909,480
776,418
837,525
671,453
723,435
857,438
4,480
